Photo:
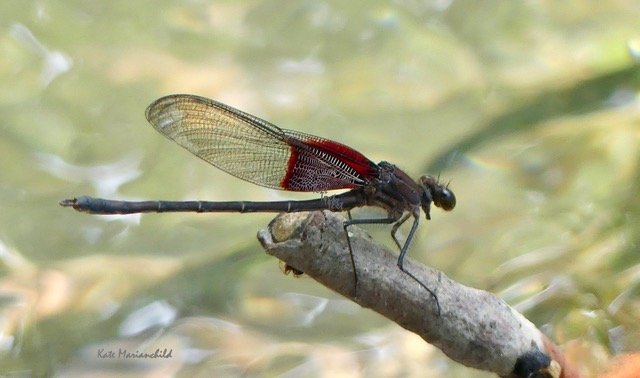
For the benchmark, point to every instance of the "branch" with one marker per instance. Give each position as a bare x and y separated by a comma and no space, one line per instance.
474,328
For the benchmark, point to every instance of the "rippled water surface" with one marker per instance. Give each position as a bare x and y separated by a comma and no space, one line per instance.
529,108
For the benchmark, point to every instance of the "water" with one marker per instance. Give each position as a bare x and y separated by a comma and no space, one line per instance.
531,111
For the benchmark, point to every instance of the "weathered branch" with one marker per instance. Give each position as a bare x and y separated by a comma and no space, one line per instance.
475,327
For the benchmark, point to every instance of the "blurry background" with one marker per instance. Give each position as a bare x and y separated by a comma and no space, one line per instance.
529,108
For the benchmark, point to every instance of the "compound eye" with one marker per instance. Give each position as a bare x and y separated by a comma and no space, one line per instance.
445,199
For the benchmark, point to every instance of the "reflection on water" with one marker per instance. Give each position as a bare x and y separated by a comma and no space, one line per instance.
155,314
106,179
311,305
54,63
535,123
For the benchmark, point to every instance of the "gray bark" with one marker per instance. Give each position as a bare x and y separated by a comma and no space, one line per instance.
474,327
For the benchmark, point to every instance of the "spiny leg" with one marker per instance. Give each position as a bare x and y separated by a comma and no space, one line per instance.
350,222
395,228
403,249
403,252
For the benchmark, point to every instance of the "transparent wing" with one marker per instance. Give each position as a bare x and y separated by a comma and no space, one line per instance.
255,150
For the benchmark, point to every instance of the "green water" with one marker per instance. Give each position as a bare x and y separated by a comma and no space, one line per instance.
530,109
